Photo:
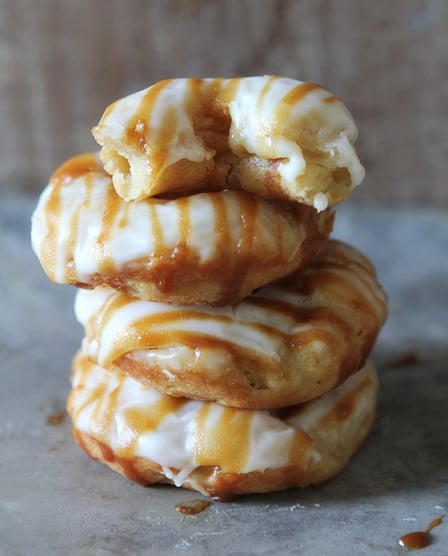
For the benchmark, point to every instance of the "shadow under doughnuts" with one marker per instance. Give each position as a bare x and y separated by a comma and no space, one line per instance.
405,452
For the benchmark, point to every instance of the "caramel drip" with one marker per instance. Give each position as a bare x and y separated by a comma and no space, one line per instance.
156,229
229,89
240,263
123,222
300,450
70,274
82,368
49,246
167,328
104,412
54,253
140,420
112,206
184,223
164,276
419,539
264,91
167,133
222,232
346,281
249,210
144,334
414,540
76,167
104,406
210,117
136,128
260,101
226,440
193,508
346,406
298,93
100,320
113,304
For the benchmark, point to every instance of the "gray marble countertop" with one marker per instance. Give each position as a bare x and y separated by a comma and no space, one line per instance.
55,500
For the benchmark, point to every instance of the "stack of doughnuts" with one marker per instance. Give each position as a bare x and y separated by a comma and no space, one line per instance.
227,336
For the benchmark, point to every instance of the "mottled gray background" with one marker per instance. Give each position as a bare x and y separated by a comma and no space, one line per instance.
63,62
55,500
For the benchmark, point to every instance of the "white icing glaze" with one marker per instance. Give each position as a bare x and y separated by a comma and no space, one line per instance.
243,325
320,201
314,412
181,435
116,324
271,117
82,228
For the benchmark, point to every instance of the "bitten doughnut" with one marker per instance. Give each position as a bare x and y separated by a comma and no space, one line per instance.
210,248
273,136
219,451
285,344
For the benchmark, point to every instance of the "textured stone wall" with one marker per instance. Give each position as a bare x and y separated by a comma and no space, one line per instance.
63,61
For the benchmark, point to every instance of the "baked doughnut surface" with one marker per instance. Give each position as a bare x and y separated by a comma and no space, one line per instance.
221,452
210,248
273,136
285,344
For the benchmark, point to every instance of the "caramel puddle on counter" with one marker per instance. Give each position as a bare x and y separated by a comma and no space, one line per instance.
419,539
56,418
192,508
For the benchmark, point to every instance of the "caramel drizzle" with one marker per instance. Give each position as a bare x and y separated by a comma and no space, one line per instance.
59,246
204,100
136,128
139,421
299,93
419,539
112,208
220,436
76,167
55,254
49,247
224,440
166,328
192,508
104,403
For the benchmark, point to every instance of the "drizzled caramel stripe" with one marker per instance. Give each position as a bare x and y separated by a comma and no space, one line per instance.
82,229
308,308
179,435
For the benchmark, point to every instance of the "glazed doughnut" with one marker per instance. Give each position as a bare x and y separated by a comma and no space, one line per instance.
273,136
285,344
219,451
211,248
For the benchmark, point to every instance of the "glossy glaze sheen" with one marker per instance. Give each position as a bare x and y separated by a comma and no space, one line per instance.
293,123
178,435
83,232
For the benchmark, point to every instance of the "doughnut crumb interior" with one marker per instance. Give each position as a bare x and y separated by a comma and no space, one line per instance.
273,136
228,336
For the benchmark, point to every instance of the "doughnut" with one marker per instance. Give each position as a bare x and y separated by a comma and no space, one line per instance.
219,451
214,247
276,137
287,343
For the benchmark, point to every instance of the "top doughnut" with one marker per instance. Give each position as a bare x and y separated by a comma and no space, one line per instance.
273,136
